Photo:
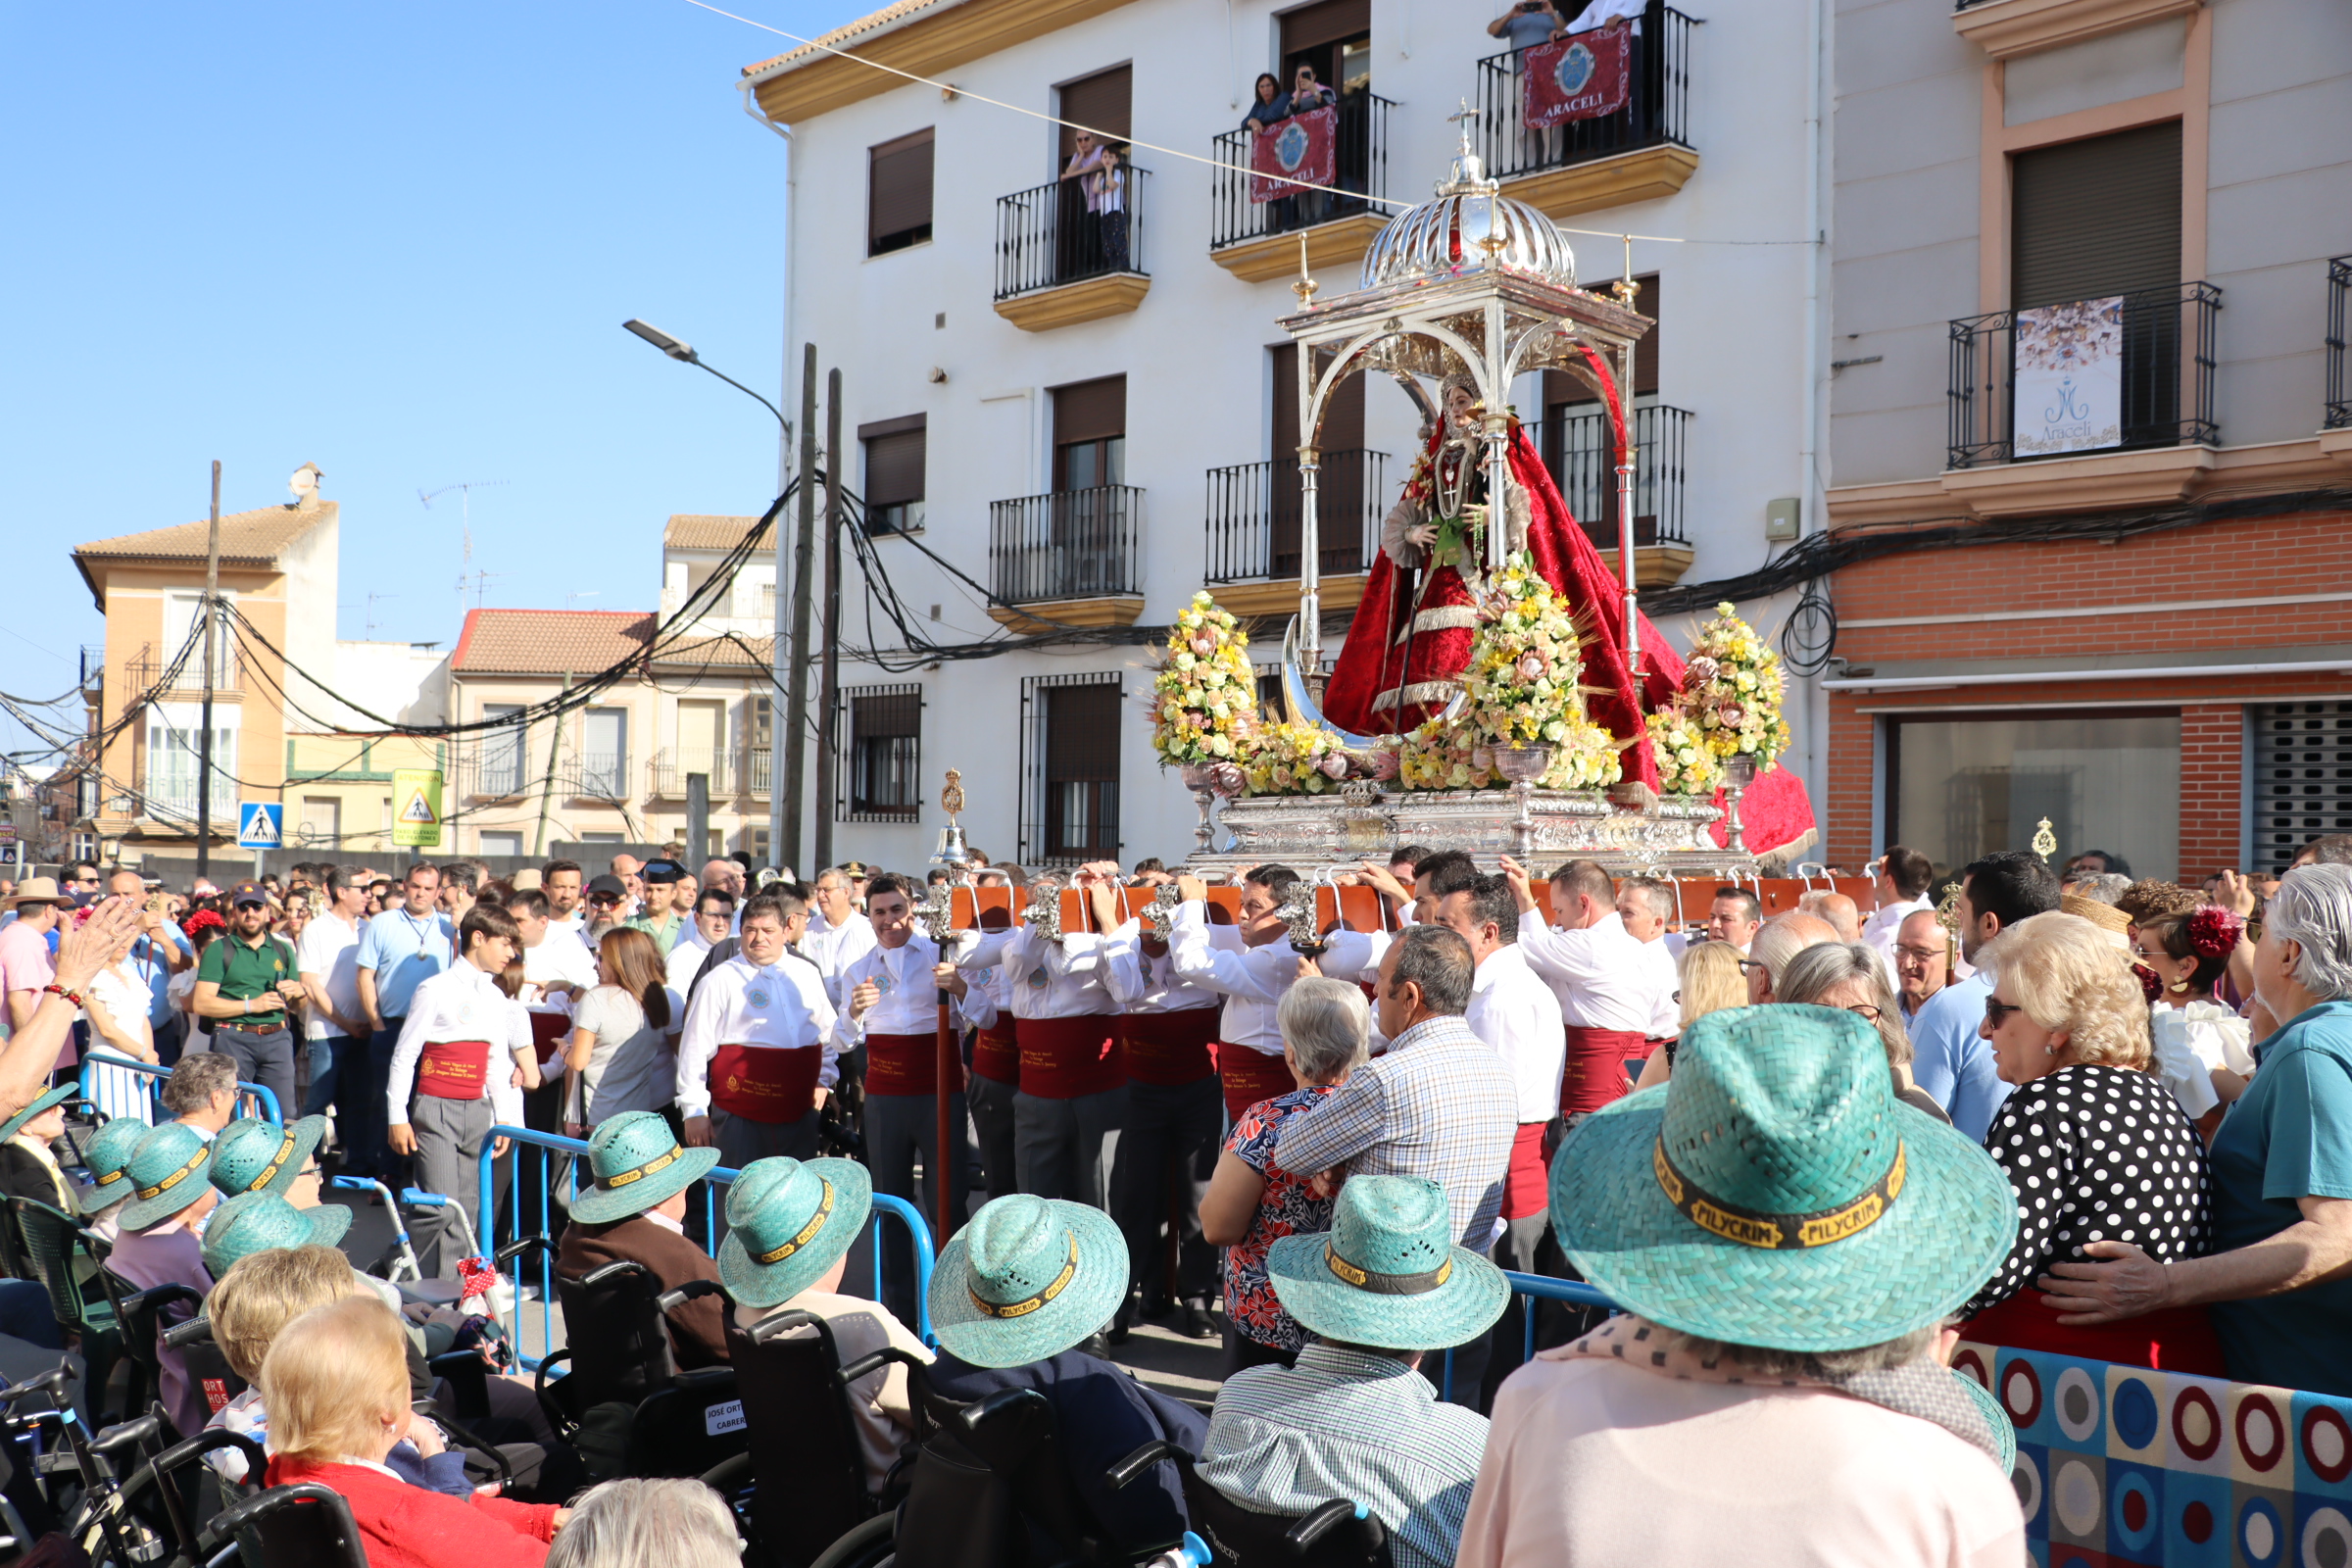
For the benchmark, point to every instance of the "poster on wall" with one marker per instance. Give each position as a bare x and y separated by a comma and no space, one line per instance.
2070,377
1585,76
1304,147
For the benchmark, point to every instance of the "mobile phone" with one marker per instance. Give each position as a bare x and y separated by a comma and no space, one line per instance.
159,903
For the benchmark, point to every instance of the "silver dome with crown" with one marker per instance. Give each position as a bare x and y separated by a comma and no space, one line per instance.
1469,226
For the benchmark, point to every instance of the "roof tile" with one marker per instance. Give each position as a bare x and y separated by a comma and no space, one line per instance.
249,538
840,36
692,530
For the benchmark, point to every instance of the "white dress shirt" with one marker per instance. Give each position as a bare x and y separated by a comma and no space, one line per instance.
1142,983
1516,1013
909,1003
1880,930
1666,1000
1046,979
783,1006
685,959
462,1002
1251,980
834,947
1598,972
557,961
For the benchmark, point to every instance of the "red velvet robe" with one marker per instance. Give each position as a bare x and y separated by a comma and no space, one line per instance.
1372,660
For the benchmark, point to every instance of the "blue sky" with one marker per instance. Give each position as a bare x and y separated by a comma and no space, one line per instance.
398,242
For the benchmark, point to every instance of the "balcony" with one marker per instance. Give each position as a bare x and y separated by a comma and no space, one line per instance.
1075,550
93,669
145,671
1583,456
594,776
2338,416
496,773
667,774
2006,27
1254,514
1058,264
1255,241
757,773
1641,153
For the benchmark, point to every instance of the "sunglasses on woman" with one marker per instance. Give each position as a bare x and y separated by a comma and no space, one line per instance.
1997,1011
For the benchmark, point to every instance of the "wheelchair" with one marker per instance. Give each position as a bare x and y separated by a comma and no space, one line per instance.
1340,1534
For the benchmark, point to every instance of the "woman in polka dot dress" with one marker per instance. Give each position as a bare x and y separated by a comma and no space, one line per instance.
2096,1148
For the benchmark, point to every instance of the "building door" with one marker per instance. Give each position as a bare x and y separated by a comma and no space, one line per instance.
1340,504
2302,777
1335,38
322,822
605,753
181,609
1105,102
702,744
1089,546
501,750
1579,444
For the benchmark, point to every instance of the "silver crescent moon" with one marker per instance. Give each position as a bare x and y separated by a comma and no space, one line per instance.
1304,710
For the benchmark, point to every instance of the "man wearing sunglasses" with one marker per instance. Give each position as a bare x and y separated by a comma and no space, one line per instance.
607,895
1950,1060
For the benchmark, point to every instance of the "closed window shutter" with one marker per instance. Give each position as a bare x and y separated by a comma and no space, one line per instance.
1090,411
899,194
1560,386
2094,217
894,468
1082,734
1104,101
1331,22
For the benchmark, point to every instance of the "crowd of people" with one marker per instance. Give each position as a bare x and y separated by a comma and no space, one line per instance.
1802,1156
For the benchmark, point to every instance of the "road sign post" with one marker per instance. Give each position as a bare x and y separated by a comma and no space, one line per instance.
260,829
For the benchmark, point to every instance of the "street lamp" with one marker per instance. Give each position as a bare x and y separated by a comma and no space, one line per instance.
783,781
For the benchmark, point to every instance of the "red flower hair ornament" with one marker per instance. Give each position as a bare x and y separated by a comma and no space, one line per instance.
2214,932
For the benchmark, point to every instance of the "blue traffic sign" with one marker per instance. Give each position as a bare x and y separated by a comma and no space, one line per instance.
261,825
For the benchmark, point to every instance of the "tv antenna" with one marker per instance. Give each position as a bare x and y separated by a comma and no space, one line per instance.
464,489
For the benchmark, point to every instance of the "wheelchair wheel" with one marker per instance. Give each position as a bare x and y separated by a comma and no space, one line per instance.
872,1544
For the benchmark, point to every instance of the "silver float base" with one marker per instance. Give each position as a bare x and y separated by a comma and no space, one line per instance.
1308,831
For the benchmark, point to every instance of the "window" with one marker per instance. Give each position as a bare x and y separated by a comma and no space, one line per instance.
898,194
755,843
320,822
605,753
1070,730
501,751
604,838
502,844
1105,101
1957,789
1334,37
882,767
1090,434
169,782
894,474
2094,217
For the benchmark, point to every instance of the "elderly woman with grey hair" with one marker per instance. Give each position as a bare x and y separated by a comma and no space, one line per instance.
1253,1202
648,1524
2278,1277
1854,977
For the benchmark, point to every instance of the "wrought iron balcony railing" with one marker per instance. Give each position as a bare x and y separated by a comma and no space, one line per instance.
1657,110
1581,450
1254,516
1360,155
493,773
667,774
1047,236
1073,544
2339,307
2166,389
146,668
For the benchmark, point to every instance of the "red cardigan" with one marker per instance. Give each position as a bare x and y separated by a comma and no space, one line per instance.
408,1527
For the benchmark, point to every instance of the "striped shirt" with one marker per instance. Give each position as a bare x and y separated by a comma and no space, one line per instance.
1345,1424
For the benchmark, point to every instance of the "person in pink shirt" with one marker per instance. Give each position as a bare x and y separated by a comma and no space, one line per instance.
26,966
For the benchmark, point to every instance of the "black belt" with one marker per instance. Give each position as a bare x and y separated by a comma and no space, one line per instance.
252,1029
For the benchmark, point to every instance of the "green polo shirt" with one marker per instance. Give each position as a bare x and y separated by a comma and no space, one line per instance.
242,972
665,931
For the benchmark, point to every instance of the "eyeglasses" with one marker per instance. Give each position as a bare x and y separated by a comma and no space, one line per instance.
2143,955
1747,964
1997,1011
1918,955
604,901
1867,1010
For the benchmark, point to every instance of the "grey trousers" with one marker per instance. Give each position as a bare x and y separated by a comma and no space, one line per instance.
742,1140
1065,1147
451,1135
1167,1151
991,1105
899,1128
266,1060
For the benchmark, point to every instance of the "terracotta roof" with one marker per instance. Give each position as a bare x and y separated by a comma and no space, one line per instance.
253,538
840,37
548,642
694,531
723,653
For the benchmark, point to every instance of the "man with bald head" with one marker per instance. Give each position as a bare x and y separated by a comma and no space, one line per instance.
1776,941
1845,918
1922,961
631,870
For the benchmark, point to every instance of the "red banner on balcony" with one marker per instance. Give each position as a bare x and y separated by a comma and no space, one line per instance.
1304,148
1582,76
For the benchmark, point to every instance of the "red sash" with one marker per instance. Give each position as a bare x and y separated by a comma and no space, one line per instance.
1062,1058
1251,1076
1169,1047
905,1064
454,1069
764,1083
1527,1189
1596,1072
548,1033
2177,1339
997,1053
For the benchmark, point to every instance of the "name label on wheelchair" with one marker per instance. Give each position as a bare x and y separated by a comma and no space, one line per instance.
727,1417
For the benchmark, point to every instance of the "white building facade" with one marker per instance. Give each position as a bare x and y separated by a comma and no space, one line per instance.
1092,443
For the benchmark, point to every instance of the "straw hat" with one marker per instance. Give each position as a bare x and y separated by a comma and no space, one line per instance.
37,890
1388,1272
1028,1278
788,1221
107,1157
1775,1193
251,1153
259,1221
638,1165
526,880
168,1172
2113,923
64,1092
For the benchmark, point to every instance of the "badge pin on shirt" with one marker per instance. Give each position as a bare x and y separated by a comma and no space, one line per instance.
1037,978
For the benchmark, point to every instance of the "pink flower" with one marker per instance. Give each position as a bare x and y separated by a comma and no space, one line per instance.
1386,766
1333,765
1204,644
1531,666
1225,778
1700,671
1729,716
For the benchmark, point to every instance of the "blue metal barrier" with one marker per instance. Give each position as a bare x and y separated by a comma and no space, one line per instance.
253,1098
1529,1288
548,1145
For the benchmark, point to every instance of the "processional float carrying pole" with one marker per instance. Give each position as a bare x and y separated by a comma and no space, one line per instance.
1310,550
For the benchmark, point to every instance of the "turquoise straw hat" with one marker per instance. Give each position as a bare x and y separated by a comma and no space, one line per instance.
1028,1278
250,1155
788,1221
259,1221
64,1092
167,1173
2004,1431
1775,1193
638,1164
107,1159
1387,1273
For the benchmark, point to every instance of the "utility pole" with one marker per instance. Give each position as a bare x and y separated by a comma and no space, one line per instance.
547,790
829,687
786,810
204,730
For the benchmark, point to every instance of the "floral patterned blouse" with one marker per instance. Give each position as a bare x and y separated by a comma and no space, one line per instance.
1288,1207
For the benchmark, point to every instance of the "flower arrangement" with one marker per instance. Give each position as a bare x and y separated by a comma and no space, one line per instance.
1295,759
1204,695
1687,763
1732,690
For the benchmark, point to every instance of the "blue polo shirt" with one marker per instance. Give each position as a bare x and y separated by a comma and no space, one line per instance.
1951,1061
403,950
2289,1136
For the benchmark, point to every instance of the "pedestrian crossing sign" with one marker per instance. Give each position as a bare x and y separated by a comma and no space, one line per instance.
261,825
417,807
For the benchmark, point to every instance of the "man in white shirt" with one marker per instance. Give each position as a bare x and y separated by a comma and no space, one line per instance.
722,876
1072,1098
1646,905
1175,1121
465,1056
1903,875
565,888
893,1012
713,922
1597,971
327,959
1733,917
759,1050
837,933
557,973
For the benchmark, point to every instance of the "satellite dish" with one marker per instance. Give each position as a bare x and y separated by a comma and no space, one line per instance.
305,483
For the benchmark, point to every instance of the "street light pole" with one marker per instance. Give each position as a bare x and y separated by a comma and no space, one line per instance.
204,723
828,762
